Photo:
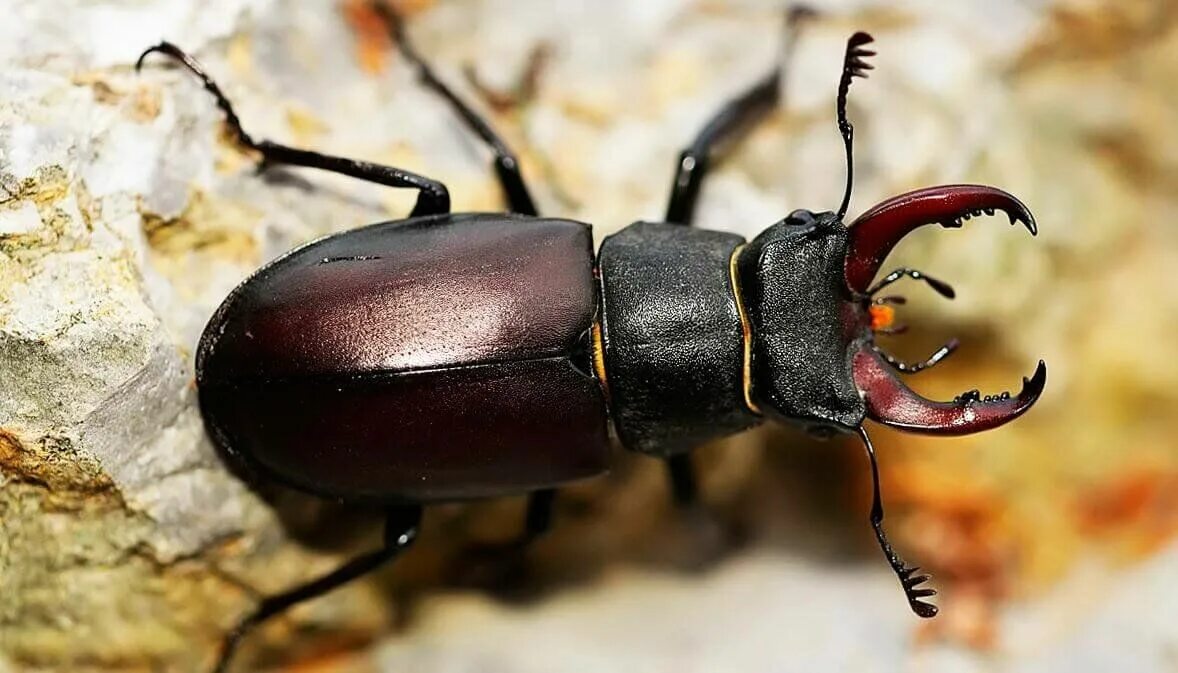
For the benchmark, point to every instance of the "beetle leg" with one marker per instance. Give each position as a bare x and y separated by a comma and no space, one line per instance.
727,125
737,115
684,485
432,196
538,520
506,164
400,532
495,563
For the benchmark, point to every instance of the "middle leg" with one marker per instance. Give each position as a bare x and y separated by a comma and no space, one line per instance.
484,564
400,532
539,516
519,200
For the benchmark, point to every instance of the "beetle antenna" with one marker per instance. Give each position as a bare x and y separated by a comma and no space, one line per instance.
906,573
193,66
854,65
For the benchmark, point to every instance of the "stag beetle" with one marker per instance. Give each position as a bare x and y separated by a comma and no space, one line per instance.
453,356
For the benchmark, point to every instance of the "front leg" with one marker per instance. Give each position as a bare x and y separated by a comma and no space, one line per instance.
727,124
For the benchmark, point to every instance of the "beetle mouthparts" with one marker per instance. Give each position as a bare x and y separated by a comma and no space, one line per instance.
874,234
891,402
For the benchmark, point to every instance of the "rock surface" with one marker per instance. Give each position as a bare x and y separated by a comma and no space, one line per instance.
125,219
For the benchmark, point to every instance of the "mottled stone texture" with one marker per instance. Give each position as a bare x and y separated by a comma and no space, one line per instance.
125,218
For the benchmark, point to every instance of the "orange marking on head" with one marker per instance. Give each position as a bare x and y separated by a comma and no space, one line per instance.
882,316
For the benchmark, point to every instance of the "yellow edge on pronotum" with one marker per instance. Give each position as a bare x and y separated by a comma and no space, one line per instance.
599,356
746,333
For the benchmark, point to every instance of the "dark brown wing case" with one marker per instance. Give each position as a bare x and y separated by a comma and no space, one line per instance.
429,359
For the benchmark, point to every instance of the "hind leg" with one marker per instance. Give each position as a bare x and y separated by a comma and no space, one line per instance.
400,532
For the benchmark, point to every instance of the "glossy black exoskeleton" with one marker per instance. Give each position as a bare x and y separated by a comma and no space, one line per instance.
455,356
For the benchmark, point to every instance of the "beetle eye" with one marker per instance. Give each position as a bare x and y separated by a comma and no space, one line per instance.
800,218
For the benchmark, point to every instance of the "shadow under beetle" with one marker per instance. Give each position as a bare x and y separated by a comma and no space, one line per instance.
452,356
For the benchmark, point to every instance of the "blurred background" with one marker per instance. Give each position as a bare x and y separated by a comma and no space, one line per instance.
125,218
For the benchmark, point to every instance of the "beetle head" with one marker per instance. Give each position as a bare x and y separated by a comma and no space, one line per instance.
808,292
807,287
